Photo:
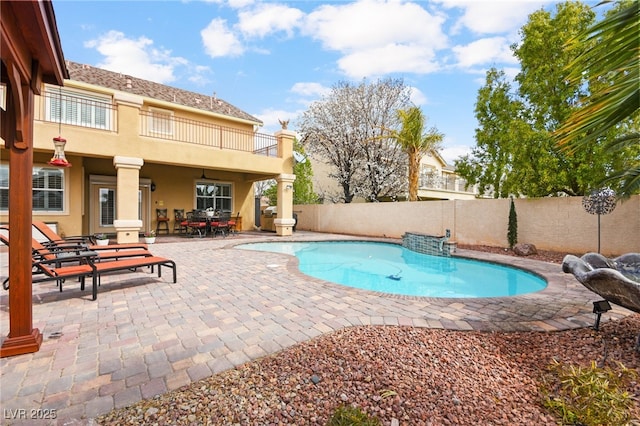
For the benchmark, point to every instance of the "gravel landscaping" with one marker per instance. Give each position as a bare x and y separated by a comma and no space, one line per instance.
402,375
415,376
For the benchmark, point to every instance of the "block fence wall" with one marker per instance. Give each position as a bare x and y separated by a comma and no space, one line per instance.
558,224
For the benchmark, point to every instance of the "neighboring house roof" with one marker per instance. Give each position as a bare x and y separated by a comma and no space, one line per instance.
149,89
440,158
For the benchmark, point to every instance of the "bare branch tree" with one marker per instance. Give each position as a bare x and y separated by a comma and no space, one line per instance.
347,130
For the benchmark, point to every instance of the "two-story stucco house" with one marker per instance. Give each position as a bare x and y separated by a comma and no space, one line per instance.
136,146
437,181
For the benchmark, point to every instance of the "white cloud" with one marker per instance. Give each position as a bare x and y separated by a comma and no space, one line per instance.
220,41
136,57
417,97
493,17
378,36
315,90
271,119
484,51
238,4
452,153
511,72
268,18
376,62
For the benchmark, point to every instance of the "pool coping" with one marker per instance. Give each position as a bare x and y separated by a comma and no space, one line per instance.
548,317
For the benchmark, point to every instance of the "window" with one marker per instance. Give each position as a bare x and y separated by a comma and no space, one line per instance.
161,121
214,195
107,207
48,189
78,109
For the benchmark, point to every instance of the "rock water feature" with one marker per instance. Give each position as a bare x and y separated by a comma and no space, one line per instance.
429,244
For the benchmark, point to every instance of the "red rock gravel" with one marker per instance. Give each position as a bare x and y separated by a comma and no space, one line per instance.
543,255
403,375
415,376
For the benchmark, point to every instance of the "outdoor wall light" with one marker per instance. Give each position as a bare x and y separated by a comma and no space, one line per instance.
600,307
153,187
58,159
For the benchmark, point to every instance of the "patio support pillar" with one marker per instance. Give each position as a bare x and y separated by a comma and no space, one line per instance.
31,53
127,223
284,222
22,338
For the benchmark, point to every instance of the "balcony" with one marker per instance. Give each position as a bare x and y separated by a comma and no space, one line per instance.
165,126
445,183
100,114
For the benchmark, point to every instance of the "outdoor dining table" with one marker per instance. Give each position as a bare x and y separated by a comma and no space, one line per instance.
201,223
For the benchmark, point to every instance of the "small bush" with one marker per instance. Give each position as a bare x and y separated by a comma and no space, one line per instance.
589,395
512,231
346,415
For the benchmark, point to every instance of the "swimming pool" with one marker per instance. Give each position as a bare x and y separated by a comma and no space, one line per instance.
391,268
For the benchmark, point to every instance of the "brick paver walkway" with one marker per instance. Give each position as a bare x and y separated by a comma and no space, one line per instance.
144,336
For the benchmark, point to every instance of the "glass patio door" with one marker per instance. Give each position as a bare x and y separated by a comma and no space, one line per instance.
103,205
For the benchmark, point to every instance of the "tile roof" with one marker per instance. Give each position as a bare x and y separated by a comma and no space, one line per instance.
125,83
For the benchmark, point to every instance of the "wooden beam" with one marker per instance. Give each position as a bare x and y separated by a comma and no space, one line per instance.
31,54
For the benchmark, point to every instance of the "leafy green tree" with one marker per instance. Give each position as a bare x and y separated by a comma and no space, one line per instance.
612,59
302,186
503,128
516,152
415,141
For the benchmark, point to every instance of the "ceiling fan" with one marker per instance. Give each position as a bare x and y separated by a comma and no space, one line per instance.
204,177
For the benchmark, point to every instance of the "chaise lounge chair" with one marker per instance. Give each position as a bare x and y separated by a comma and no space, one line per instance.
58,264
108,252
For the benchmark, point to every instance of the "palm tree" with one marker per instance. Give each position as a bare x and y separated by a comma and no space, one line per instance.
416,142
613,60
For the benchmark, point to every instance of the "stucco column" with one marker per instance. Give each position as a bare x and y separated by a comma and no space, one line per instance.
284,221
127,223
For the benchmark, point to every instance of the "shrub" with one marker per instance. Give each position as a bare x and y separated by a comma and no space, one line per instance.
512,232
589,395
346,415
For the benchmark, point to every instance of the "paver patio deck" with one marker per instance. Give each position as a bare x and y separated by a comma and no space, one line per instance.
145,336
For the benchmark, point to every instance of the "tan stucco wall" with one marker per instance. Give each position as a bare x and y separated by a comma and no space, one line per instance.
125,140
70,221
559,224
173,166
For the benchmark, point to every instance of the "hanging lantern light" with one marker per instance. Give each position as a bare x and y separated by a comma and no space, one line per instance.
58,159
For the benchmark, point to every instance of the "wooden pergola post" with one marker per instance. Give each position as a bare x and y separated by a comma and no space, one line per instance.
31,54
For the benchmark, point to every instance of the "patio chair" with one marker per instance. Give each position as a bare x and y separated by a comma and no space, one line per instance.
162,223
59,264
221,225
56,240
179,221
233,223
48,233
198,223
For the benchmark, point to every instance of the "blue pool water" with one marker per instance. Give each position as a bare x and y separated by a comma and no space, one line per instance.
391,268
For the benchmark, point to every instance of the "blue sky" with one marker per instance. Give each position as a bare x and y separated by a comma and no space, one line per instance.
273,58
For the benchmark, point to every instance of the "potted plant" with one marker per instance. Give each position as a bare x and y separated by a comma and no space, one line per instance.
102,239
150,237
